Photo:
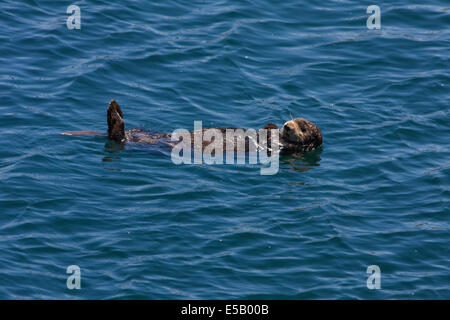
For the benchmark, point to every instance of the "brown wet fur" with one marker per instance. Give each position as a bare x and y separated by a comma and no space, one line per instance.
116,125
296,136
299,135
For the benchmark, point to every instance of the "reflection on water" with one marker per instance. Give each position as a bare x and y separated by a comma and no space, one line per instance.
302,162
112,147
296,162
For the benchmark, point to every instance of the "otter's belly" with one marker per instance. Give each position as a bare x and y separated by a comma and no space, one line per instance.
145,136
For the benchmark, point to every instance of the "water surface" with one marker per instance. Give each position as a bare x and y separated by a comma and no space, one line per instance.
139,226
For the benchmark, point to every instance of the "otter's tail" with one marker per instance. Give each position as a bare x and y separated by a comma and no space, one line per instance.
116,125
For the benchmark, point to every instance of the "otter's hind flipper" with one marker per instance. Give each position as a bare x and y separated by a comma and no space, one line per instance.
116,125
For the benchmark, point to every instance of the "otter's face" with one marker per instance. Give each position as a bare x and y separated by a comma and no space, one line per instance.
293,131
301,133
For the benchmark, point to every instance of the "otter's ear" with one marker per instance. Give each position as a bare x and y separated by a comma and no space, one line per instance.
270,126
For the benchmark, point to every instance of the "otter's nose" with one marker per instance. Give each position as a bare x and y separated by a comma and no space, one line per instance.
286,128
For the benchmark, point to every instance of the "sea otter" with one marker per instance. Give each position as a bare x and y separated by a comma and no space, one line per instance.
296,136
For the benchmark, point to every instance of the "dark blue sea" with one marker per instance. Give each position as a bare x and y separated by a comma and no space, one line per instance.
139,226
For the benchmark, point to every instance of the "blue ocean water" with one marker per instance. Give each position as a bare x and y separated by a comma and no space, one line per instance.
140,227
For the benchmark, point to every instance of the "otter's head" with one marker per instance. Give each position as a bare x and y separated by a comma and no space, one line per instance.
116,125
301,134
